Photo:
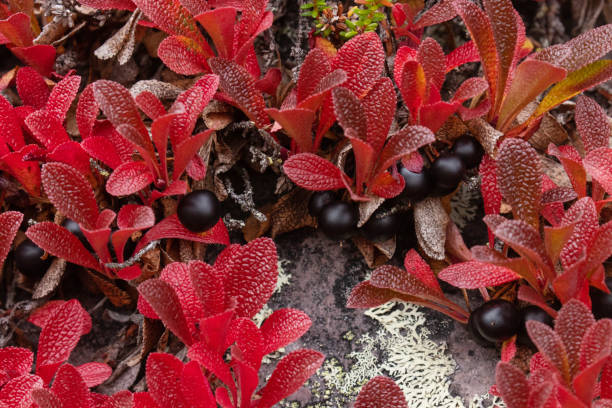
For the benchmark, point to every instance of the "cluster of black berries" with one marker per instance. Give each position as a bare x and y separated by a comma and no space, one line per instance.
199,211
445,172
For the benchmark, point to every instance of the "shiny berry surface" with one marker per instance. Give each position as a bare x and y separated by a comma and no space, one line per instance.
418,185
471,328
468,150
497,320
338,220
75,229
28,259
536,314
318,200
446,172
379,229
602,301
199,211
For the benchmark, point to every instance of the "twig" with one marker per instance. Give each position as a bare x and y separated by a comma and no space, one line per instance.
133,259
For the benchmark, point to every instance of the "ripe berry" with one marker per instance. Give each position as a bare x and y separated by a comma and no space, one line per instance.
418,185
602,301
318,200
468,150
199,211
532,313
497,320
75,229
338,220
28,259
446,172
379,229
471,328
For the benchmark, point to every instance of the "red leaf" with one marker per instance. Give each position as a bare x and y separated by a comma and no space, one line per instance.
171,17
45,399
195,388
171,227
583,215
488,185
606,379
550,345
190,105
289,375
297,123
462,55
415,265
183,55
15,361
529,295
135,216
41,316
402,144
164,372
59,242
41,57
219,24
214,331
213,362
598,163
520,181
73,155
596,343
186,151
10,126
381,392
208,285
474,275
600,247
249,342
379,108
365,296
314,68
572,164
365,158
58,338
283,327
150,104
524,239
129,178
47,129
431,57
26,172
32,88
508,350
362,58
166,304
70,193
349,112
109,4
17,392
512,385
312,172
592,123
434,115
61,97
9,225
399,280
94,374
119,107
144,400
252,277
239,85
413,87
177,275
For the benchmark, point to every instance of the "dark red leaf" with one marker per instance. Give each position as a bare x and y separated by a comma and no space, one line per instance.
9,225
362,58
349,112
183,55
572,163
402,144
381,392
70,193
94,374
314,68
379,108
32,88
297,123
519,178
171,227
592,123
10,126
550,345
598,163
474,275
165,302
59,242
583,214
431,57
512,385
312,172
129,178
365,296
289,375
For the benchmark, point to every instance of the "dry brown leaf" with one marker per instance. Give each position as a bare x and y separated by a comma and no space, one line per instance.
375,254
367,208
555,171
122,43
486,134
117,296
451,129
51,279
163,90
152,40
217,115
550,131
291,212
185,251
151,332
253,228
430,221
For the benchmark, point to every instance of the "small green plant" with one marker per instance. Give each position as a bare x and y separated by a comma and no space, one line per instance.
367,17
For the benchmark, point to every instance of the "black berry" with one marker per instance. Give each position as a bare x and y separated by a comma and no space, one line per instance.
468,150
446,172
199,211
471,328
418,185
28,258
338,220
75,229
602,301
318,200
380,229
497,320
532,313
